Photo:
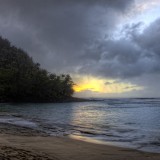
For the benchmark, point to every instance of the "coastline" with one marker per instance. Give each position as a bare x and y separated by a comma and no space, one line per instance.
67,100
24,143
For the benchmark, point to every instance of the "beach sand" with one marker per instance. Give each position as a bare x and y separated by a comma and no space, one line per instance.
17,143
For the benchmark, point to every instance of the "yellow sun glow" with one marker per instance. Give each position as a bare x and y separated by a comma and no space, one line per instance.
102,85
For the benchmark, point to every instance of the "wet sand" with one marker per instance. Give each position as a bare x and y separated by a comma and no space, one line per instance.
26,144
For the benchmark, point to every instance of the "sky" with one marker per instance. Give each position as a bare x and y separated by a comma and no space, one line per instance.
110,48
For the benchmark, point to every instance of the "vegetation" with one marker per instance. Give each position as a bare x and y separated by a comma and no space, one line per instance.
22,80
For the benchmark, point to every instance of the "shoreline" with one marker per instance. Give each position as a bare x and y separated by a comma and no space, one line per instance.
64,148
25,143
68,100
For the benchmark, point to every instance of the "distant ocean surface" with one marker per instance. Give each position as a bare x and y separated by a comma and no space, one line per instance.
131,123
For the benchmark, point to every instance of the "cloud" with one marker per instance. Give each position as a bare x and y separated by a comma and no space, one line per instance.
109,82
78,37
133,55
56,33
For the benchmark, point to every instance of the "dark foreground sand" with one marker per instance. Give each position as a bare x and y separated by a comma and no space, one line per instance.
35,146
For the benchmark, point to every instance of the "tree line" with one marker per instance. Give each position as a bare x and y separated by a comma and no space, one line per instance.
23,80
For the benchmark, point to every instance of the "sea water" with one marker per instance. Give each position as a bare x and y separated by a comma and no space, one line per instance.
131,123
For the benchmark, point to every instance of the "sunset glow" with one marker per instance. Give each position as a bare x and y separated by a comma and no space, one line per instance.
89,83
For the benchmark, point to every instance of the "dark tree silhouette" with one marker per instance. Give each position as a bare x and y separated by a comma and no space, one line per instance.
22,80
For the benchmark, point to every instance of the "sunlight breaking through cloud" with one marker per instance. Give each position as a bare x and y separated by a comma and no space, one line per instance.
103,85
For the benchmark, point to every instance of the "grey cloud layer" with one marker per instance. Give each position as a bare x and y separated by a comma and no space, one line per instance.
131,56
72,36
58,33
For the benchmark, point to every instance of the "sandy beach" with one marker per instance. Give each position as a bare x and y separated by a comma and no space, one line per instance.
26,144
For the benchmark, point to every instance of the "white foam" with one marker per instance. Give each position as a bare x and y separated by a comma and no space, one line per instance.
18,121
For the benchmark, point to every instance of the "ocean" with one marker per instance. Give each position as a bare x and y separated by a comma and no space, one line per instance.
133,123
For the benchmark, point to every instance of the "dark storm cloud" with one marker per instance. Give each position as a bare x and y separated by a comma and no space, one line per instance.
150,38
72,36
75,36
133,55
59,33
